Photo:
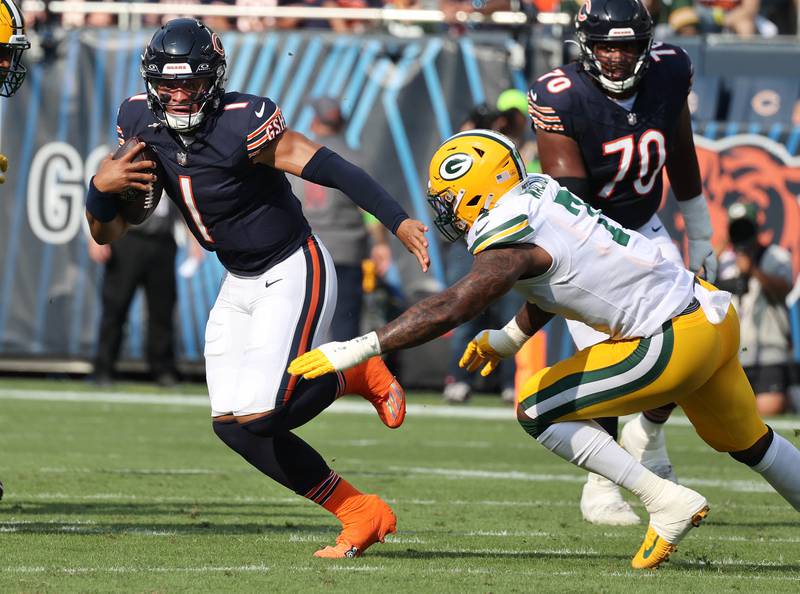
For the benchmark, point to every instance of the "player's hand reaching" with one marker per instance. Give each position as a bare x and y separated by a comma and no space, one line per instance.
116,175
412,233
3,168
489,347
335,356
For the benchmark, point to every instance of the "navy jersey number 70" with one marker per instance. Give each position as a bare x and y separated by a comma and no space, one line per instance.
623,150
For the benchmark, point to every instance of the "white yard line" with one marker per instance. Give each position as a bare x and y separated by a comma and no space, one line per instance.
346,406
358,566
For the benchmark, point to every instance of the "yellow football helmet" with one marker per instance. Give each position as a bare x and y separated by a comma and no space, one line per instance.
467,175
12,43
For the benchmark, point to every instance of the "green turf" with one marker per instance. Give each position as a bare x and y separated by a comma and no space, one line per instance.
142,497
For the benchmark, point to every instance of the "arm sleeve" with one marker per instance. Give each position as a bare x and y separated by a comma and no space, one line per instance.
327,168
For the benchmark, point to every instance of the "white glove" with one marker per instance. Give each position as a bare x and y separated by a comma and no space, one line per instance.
697,220
335,356
701,254
489,347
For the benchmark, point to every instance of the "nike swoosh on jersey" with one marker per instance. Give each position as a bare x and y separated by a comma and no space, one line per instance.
479,231
657,229
269,284
260,112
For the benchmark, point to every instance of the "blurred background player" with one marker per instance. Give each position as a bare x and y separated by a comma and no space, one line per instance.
144,257
759,275
224,157
350,234
13,43
606,126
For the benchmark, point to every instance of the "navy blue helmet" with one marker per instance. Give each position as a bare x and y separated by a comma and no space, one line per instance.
614,21
184,67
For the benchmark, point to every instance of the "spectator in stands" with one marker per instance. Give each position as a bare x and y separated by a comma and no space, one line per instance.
721,16
760,277
344,228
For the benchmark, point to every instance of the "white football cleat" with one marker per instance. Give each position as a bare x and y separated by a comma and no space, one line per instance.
602,503
457,392
674,512
645,441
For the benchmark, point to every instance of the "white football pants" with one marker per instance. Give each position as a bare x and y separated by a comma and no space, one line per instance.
259,324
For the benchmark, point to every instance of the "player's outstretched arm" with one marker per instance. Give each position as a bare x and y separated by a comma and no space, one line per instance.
493,274
293,153
113,177
684,177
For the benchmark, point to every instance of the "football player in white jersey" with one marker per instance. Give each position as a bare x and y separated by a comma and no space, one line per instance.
673,338
12,43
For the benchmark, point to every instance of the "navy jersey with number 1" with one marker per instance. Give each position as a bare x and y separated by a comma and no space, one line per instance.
623,150
245,212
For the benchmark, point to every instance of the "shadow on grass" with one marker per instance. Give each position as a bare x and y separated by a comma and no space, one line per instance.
483,554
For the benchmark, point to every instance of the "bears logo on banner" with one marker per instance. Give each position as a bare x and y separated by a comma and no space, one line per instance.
747,168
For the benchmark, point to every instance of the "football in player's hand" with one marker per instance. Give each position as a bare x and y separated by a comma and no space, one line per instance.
135,206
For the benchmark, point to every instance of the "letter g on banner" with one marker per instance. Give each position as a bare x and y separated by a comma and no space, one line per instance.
55,193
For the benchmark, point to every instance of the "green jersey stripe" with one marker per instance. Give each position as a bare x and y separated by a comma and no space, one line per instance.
591,399
498,229
583,377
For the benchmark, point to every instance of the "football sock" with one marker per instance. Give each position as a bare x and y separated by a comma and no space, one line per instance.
586,444
610,425
650,428
336,495
285,458
659,416
779,467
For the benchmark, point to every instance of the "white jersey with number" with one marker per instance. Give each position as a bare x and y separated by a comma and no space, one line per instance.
611,278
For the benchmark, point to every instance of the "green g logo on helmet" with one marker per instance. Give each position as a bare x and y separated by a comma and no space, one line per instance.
455,166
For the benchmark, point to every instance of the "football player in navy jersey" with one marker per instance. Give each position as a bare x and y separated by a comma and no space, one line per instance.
223,159
606,126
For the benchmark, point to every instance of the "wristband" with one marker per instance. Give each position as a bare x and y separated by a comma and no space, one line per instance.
101,205
696,217
515,333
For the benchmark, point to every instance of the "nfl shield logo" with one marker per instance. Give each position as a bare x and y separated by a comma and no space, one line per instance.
182,159
632,119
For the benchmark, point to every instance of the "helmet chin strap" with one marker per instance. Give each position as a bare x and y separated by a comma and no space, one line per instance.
182,123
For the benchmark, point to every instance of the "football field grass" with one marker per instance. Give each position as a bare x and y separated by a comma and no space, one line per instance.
129,490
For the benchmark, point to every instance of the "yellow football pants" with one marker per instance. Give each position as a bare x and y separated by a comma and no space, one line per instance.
691,362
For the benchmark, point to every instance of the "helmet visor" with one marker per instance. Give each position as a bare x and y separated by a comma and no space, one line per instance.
12,73
446,221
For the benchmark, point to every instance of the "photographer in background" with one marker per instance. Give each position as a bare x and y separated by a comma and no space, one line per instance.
760,277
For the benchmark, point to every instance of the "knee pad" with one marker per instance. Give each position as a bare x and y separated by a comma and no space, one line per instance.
268,426
755,453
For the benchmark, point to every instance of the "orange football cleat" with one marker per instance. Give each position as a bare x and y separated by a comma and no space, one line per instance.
373,380
370,521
